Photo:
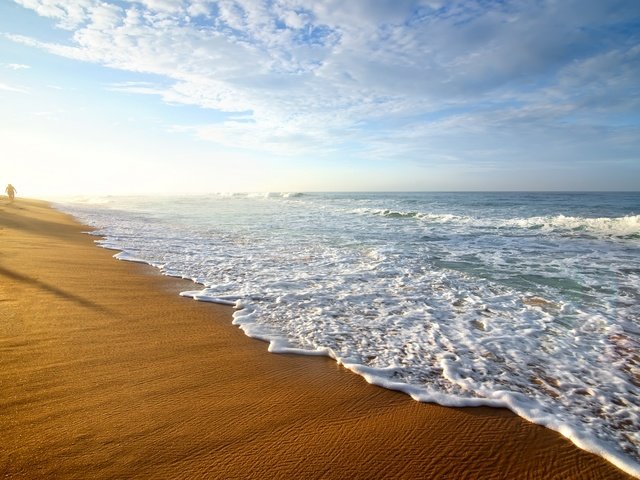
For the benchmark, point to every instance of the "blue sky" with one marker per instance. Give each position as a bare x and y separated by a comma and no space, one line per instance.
177,96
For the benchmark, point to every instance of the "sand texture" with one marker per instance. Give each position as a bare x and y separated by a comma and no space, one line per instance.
105,372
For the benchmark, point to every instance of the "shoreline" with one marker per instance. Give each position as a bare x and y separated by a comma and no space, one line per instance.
107,372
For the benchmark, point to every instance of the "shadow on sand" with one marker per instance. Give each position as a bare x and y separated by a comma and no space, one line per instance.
51,289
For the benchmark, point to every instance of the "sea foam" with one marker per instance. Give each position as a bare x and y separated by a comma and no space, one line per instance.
461,300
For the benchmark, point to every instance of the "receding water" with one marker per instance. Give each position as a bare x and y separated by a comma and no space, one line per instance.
529,301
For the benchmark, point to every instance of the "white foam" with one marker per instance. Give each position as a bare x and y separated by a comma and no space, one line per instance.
124,255
621,226
434,303
196,295
627,225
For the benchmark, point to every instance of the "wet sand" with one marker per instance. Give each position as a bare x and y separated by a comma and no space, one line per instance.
105,372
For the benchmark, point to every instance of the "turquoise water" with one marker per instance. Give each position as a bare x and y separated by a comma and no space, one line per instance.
529,301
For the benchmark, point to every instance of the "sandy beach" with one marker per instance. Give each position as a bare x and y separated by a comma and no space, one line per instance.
106,372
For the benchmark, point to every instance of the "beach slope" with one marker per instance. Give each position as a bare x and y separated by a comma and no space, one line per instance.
105,372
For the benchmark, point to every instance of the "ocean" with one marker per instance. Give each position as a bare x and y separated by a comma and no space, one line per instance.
529,301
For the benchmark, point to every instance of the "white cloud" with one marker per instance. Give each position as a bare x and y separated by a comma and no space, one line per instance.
17,66
170,6
70,15
310,75
144,88
105,16
9,88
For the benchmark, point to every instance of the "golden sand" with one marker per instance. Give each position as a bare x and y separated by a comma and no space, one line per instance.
105,372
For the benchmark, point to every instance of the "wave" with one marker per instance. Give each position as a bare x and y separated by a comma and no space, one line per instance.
429,217
259,194
386,305
627,226
276,194
525,406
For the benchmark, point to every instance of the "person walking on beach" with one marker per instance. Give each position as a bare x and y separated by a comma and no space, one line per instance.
11,192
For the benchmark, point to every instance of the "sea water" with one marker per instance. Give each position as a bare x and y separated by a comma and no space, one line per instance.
529,301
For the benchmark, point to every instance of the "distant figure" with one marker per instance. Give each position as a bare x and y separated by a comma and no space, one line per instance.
11,192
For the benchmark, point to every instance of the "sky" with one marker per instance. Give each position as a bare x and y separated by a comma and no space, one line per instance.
197,96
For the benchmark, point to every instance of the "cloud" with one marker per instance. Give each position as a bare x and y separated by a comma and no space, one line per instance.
9,88
143,88
169,6
17,66
69,15
396,77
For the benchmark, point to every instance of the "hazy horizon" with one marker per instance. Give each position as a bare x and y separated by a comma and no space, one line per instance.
200,96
